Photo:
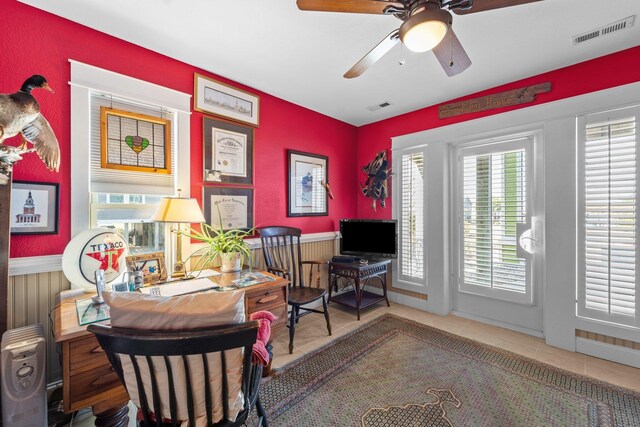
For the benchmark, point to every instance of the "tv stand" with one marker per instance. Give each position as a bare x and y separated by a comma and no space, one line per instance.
358,274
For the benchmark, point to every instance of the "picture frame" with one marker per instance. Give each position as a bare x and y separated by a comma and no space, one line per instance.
227,151
307,194
34,207
220,99
152,266
134,142
235,204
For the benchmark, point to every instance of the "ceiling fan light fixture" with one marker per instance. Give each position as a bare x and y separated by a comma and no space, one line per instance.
425,30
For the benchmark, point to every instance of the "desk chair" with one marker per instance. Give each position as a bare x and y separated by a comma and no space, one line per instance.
159,363
283,257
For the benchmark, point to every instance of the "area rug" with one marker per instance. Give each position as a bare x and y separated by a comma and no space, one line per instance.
396,372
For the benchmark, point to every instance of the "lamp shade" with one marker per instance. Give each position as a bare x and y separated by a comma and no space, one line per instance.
178,209
425,29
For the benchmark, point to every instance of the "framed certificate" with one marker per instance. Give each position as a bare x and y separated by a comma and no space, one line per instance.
231,205
228,152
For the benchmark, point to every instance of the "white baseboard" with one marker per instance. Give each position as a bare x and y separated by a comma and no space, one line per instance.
615,353
520,329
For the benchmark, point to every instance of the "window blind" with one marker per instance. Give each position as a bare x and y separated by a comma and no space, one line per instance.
494,195
609,219
124,181
412,216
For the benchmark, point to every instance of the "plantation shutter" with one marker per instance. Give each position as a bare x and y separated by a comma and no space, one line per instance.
105,180
607,284
493,213
412,260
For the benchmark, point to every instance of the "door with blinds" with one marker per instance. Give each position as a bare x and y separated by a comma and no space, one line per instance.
607,216
494,234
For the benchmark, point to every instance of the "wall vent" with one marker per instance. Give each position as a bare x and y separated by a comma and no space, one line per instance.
378,106
622,24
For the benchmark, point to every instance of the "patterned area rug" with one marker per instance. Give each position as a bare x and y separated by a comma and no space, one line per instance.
396,372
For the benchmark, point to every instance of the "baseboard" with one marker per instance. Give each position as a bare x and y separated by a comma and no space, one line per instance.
520,329
614,353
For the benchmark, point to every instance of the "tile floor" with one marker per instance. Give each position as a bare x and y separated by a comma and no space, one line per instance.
311,334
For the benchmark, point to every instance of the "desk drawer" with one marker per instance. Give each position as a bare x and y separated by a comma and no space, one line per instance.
86,385
86,352
260,300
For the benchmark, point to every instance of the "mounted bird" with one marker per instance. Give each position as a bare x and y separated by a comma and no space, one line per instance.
20,115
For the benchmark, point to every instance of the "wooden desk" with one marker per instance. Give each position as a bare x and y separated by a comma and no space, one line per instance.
87,376
358,275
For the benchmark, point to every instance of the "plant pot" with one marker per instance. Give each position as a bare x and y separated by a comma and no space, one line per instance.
231,262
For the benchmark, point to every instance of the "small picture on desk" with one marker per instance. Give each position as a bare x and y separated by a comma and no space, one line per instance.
152,266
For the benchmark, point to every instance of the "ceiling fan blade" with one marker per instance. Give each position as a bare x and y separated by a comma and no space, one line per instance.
482,5
452,55
374,55
349,6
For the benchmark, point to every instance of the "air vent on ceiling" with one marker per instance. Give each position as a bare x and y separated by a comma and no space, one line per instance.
378,106
622,24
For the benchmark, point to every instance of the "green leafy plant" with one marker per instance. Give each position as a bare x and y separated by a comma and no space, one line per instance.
218,242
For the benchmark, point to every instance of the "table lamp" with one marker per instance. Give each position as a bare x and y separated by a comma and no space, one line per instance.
178,210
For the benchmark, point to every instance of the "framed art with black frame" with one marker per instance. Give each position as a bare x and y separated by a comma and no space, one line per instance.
228,152
307,184
34,207
235,205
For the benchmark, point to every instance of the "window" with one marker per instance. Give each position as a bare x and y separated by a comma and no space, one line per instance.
607,217
493,212
412,219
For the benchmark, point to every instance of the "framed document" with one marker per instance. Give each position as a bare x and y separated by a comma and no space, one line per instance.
232,205
307,184
228,152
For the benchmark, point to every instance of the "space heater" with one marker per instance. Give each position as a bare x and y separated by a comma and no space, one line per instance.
24,392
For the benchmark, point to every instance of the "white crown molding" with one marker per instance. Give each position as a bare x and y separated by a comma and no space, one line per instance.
48,263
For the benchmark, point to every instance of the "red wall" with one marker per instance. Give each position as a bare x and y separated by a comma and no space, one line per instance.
36,42
601,73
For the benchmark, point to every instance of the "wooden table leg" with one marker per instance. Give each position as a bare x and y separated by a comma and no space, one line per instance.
115,416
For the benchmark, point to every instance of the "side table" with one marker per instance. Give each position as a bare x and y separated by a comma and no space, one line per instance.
358,274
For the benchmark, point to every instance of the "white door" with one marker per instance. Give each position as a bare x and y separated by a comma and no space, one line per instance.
495,235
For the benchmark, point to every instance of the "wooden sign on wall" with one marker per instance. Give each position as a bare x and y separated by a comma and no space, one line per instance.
490,102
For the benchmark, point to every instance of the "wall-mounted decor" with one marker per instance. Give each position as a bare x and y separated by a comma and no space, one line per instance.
228,152
152,266
211,96
307,184
491,102
34,207
135,142
235,205
377,173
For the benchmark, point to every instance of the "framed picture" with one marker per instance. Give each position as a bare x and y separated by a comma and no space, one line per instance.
152,266
34,207
135,142
232,205
228,151
211,96
307,179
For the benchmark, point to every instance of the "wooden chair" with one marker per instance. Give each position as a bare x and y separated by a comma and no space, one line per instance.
283,257
188,348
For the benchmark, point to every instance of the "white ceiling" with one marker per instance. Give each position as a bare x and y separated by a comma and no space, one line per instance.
301,56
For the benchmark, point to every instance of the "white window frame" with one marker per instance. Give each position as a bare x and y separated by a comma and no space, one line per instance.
506,143
410,283
581,310
86,79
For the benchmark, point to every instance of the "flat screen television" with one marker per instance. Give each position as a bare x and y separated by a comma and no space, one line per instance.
369,238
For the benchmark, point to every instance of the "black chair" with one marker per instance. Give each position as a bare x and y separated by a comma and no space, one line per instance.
139,346
283,257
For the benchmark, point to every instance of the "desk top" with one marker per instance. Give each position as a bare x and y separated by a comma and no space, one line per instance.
66,324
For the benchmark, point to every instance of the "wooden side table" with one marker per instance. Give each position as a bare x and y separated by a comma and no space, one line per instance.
358,275
87,377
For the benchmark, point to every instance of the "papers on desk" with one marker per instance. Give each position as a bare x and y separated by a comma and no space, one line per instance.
180,287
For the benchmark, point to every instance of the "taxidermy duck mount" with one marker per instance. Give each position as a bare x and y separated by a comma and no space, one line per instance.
20,115
375,186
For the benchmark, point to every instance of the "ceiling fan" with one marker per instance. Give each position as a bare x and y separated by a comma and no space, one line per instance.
426,25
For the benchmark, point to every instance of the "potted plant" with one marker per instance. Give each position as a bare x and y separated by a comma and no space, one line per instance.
228,245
